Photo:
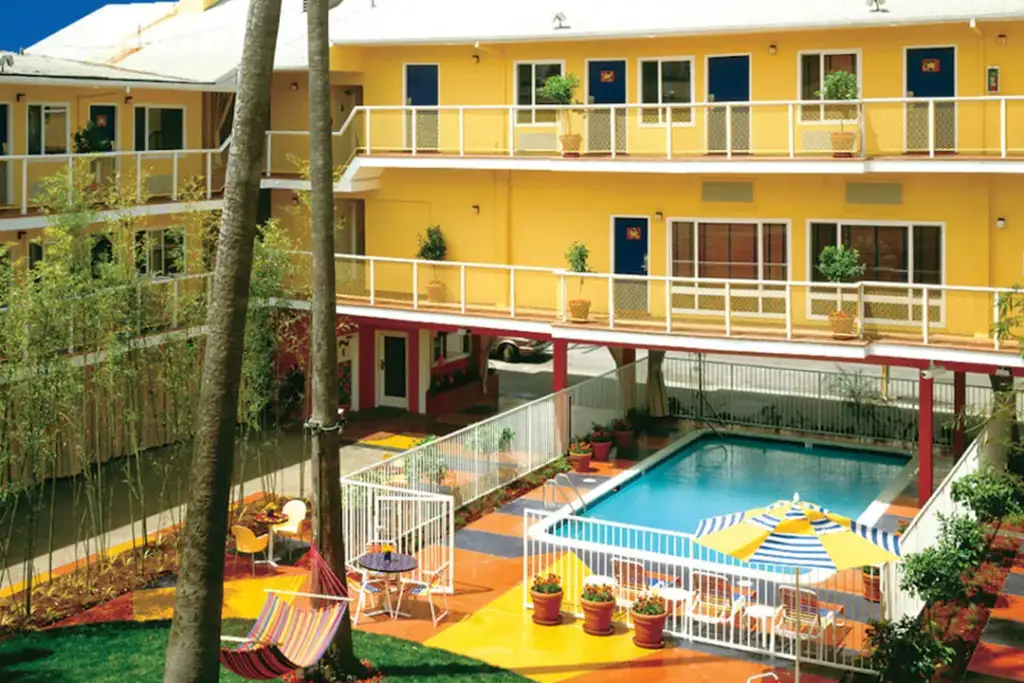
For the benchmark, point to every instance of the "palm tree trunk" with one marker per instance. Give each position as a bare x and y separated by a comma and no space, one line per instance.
324,423
1000,427
657,405
192,653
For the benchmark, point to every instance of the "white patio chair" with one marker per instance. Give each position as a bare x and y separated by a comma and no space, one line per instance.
360,583
295,511
814,619
716,603
430,585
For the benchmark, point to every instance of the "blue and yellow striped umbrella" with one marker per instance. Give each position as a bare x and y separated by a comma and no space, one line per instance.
793,533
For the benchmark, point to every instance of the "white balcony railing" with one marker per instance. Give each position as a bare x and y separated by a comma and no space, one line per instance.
154,174
791,310
983,127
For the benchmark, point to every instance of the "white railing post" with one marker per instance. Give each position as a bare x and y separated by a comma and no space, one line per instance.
366,126
728,131
1002,127
862,125
563,303
462,131
792,124
668,305
931,128
372,283
728,310
512,111
512,292
415,284
270,139
611,301
138,176
995,320
24,186
860,309
209,175
668,131
174,175
174,305
924,314
462,285
614,144
414,118
789,311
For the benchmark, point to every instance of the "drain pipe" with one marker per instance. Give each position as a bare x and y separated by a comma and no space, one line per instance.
984,62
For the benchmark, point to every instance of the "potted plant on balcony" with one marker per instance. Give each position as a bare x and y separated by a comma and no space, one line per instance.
598,602
839,264
649,614
433,248
546,594
562,90
871,578
577,257
622,432
89,140
580,454
841,86
600,442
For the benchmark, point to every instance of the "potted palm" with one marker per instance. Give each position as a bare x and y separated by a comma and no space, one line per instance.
841,86
871,579
600,442
649,614
433,248
838,264
577,257
598,602
562,90
547,600
580,454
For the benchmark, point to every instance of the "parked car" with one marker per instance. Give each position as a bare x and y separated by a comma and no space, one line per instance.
511,349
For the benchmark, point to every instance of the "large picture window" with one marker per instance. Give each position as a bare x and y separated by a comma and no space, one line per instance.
667,82
159,253
910,254
48,131
530,77
814,67
737,251
159,128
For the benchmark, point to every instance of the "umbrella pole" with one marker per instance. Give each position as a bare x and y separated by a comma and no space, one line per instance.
799,605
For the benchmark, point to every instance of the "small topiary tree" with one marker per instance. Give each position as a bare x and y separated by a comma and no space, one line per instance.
840,86
907,652
577,257
432,245
839,263
990,494
561,90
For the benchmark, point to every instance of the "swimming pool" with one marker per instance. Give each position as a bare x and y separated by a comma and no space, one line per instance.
715,475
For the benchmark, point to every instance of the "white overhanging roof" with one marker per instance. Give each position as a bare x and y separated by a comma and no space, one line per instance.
26,67
383,22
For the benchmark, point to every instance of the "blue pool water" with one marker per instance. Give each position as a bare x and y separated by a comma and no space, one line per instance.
719,475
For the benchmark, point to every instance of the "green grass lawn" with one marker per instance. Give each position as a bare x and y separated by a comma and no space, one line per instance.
127,652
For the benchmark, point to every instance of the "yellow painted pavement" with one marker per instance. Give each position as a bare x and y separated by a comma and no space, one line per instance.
395,441
243,598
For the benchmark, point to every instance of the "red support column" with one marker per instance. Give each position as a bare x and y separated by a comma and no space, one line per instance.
413,380
628,356
925,432
560,363
959,400
367,367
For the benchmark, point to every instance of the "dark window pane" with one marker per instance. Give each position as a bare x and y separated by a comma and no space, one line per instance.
743,251
891,253
174,252
543,73
846,63
862,238
35,254
524,84
822,235
810,76
649,82
714,250
140,128
141,261
774,252
928,254
35,129
166,129
675,82
682,250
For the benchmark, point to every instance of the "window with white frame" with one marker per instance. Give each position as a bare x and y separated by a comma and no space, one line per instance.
48,131
814,67
728,250
159,128
449,346
160,252
909,254
668,82
530,77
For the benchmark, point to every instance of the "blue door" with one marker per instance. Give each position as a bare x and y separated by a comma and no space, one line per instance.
630,243
729,81
421,91
931,73
606,84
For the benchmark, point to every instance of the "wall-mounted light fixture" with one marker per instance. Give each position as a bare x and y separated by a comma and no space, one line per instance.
1000,223
772,49
476,208
129,99
20,97
1001,39
295,199
294,85
476,59
659,216
21,235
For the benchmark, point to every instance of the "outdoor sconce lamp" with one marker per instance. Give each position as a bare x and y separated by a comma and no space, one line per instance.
1001,39
476,208
1000,223
659,216
20,97
772,49
476,59
129,99
295,199
295,85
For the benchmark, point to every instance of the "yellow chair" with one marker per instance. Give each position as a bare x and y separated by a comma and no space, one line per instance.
247,542
295,511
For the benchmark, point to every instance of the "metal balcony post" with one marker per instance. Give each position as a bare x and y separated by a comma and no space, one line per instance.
931,128
728,131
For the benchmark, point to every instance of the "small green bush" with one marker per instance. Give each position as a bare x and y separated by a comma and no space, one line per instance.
938,574
432,245
907,652
990,494
839,263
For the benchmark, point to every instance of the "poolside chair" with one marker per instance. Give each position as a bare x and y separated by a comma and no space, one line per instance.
814,619
430,585
715,603
248,543
295,511
631,581
365,589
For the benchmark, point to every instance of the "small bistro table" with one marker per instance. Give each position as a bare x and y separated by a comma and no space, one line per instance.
397,564
270,521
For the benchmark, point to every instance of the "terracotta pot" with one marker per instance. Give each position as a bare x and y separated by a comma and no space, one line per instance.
842,144
842,324
597,617
571,144
580,463
623,439
872,586
648,630
435,292
579,310
601,450
547,608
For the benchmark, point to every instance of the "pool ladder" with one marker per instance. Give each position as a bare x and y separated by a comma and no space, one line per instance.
559,486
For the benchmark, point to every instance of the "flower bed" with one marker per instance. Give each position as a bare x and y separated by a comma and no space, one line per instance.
473,511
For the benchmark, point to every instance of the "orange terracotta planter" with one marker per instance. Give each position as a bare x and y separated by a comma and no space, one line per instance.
649,630
623,439
580,463
547,608
601,449
597,617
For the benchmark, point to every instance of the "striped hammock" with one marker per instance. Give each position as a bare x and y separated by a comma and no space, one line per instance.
288,636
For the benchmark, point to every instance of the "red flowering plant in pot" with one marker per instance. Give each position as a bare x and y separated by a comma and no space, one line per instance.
598,602
649,614
580,454
546,593
600,442
622,430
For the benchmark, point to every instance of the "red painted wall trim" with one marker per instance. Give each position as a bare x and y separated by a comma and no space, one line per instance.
412,381
367,366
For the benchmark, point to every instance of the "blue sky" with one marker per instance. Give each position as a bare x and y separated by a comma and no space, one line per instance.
24,22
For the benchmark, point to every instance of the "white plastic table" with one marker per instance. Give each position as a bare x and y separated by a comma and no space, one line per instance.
674,597
765,614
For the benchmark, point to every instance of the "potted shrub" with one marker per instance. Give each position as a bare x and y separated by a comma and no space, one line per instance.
577,257
433,248
838,264
580,454
649,614
562,90
622,432
547,600
841,86
598,602
871,578
90,140
600,442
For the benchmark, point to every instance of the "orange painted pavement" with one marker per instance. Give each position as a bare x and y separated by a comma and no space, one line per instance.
1009,607
499,523
996,660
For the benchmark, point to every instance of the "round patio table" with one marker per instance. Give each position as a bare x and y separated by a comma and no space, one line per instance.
398,563
269,521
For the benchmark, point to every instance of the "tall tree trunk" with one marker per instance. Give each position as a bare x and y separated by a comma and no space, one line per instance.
657,404
192,653
1000,427
626,377
324,424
